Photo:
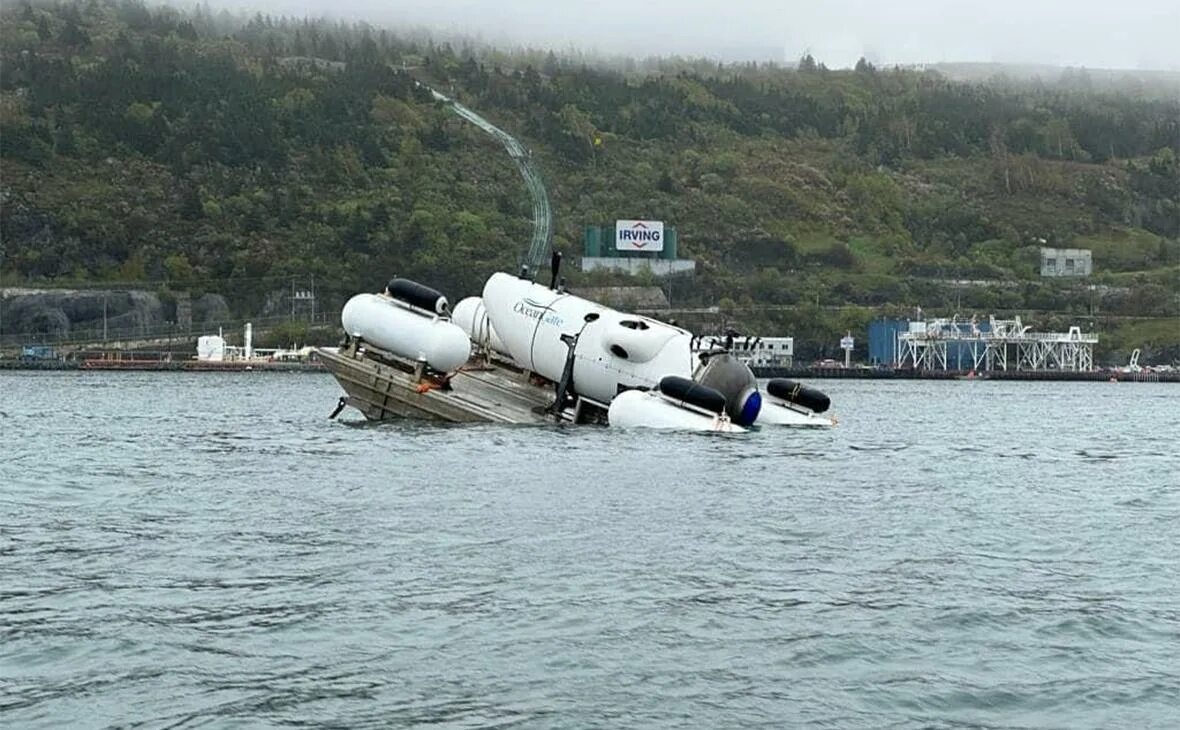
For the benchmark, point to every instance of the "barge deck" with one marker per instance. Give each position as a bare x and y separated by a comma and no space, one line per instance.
383,386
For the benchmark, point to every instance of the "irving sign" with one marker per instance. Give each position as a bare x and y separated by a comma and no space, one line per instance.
639,235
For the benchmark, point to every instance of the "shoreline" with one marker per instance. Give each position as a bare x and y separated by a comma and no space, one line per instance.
194,366
1005,375
183,366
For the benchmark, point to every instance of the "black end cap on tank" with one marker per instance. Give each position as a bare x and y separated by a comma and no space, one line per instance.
798,394
693,393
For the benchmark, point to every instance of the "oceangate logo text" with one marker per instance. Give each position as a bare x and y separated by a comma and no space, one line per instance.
532,310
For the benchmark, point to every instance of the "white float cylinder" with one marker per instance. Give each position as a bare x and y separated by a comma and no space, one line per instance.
615,349
393,326
649,409
776,412
472,318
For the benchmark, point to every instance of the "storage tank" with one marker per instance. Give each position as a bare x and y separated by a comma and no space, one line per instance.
883,339
670,251
608,241
210,348
592,241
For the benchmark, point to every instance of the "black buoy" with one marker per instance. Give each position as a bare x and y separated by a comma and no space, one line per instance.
692,393
799,394
417,295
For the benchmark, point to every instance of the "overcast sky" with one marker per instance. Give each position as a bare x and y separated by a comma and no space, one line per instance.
1130,34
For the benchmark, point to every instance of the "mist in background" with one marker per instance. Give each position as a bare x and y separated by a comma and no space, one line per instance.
1135,34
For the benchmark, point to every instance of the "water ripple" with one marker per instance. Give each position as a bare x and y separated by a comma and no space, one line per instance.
181,551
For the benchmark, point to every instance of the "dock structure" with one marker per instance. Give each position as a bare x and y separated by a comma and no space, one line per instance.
998,344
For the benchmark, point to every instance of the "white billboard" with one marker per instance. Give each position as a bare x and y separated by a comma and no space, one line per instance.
639,235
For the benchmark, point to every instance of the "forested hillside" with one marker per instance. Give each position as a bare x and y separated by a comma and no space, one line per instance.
218,153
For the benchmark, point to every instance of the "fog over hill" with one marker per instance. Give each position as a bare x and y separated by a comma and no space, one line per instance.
1136,34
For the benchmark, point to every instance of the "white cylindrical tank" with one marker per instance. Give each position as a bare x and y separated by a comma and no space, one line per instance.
472,318
393,326
615,349
649,409
210,348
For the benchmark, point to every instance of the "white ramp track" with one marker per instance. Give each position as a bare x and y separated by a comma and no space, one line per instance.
542,214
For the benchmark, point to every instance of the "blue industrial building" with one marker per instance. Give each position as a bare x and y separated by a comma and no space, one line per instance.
883,339
883,334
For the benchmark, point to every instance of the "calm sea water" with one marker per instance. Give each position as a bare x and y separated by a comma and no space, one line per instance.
208,550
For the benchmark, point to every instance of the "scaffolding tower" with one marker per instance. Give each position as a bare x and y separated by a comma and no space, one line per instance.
996,345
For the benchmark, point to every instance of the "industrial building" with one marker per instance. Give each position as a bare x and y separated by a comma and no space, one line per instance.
883,340
997,344
1066,262
631,246
757,352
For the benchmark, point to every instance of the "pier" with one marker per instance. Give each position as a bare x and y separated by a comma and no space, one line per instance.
157,362
889,373
994,346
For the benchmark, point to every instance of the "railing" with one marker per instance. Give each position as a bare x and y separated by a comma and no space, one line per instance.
1084,338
